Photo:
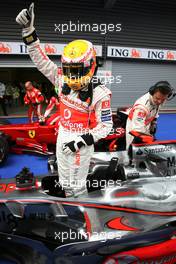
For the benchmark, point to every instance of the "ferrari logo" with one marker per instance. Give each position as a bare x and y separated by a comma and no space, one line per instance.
31,133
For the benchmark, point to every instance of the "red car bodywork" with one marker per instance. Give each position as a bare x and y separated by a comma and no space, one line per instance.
38,138
34,137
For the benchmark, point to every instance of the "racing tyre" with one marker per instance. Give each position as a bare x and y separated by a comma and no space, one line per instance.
4,147
4,122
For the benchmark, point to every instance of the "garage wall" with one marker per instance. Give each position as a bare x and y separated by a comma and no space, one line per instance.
137,77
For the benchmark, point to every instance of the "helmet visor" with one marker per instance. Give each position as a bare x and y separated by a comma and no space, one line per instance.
75,70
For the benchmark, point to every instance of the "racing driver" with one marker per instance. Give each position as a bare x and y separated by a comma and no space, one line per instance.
84,105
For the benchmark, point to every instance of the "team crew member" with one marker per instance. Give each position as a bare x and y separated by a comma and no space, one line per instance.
2,98
54,102
84,106
34,99
144,113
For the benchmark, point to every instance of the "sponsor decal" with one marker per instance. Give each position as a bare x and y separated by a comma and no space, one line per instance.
135,53
31,133
77,158
141,114
50,49
5,48
71,125
10,187
106,112
78,104
171,162
141,53
106,118
128,259
120,131
170,55
157,150
133,175
117,223
139,152
67,114
106,104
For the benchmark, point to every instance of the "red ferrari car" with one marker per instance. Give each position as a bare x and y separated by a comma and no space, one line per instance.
34,137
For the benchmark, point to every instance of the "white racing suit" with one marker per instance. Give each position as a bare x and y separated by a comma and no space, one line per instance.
141,116
77,118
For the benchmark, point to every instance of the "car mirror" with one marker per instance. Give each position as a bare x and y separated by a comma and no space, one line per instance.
16,208
58,210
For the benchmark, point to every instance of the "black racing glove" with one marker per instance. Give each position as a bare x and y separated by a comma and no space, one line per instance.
75,145
153,127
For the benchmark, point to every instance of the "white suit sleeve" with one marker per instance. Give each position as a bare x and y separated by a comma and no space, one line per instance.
104,119
43,63
139,121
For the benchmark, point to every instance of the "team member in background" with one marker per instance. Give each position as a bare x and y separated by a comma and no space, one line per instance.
2,98
84,106
34,99
54,102
144,113
15,94
9,93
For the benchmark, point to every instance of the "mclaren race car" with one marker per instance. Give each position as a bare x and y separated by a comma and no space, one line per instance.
144,160
41,138
127,222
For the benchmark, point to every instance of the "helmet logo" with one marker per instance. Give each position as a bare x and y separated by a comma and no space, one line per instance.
72,52
67,113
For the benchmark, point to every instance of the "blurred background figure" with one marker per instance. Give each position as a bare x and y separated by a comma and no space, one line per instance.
16,94
22,92
34,99
2,98
9,94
